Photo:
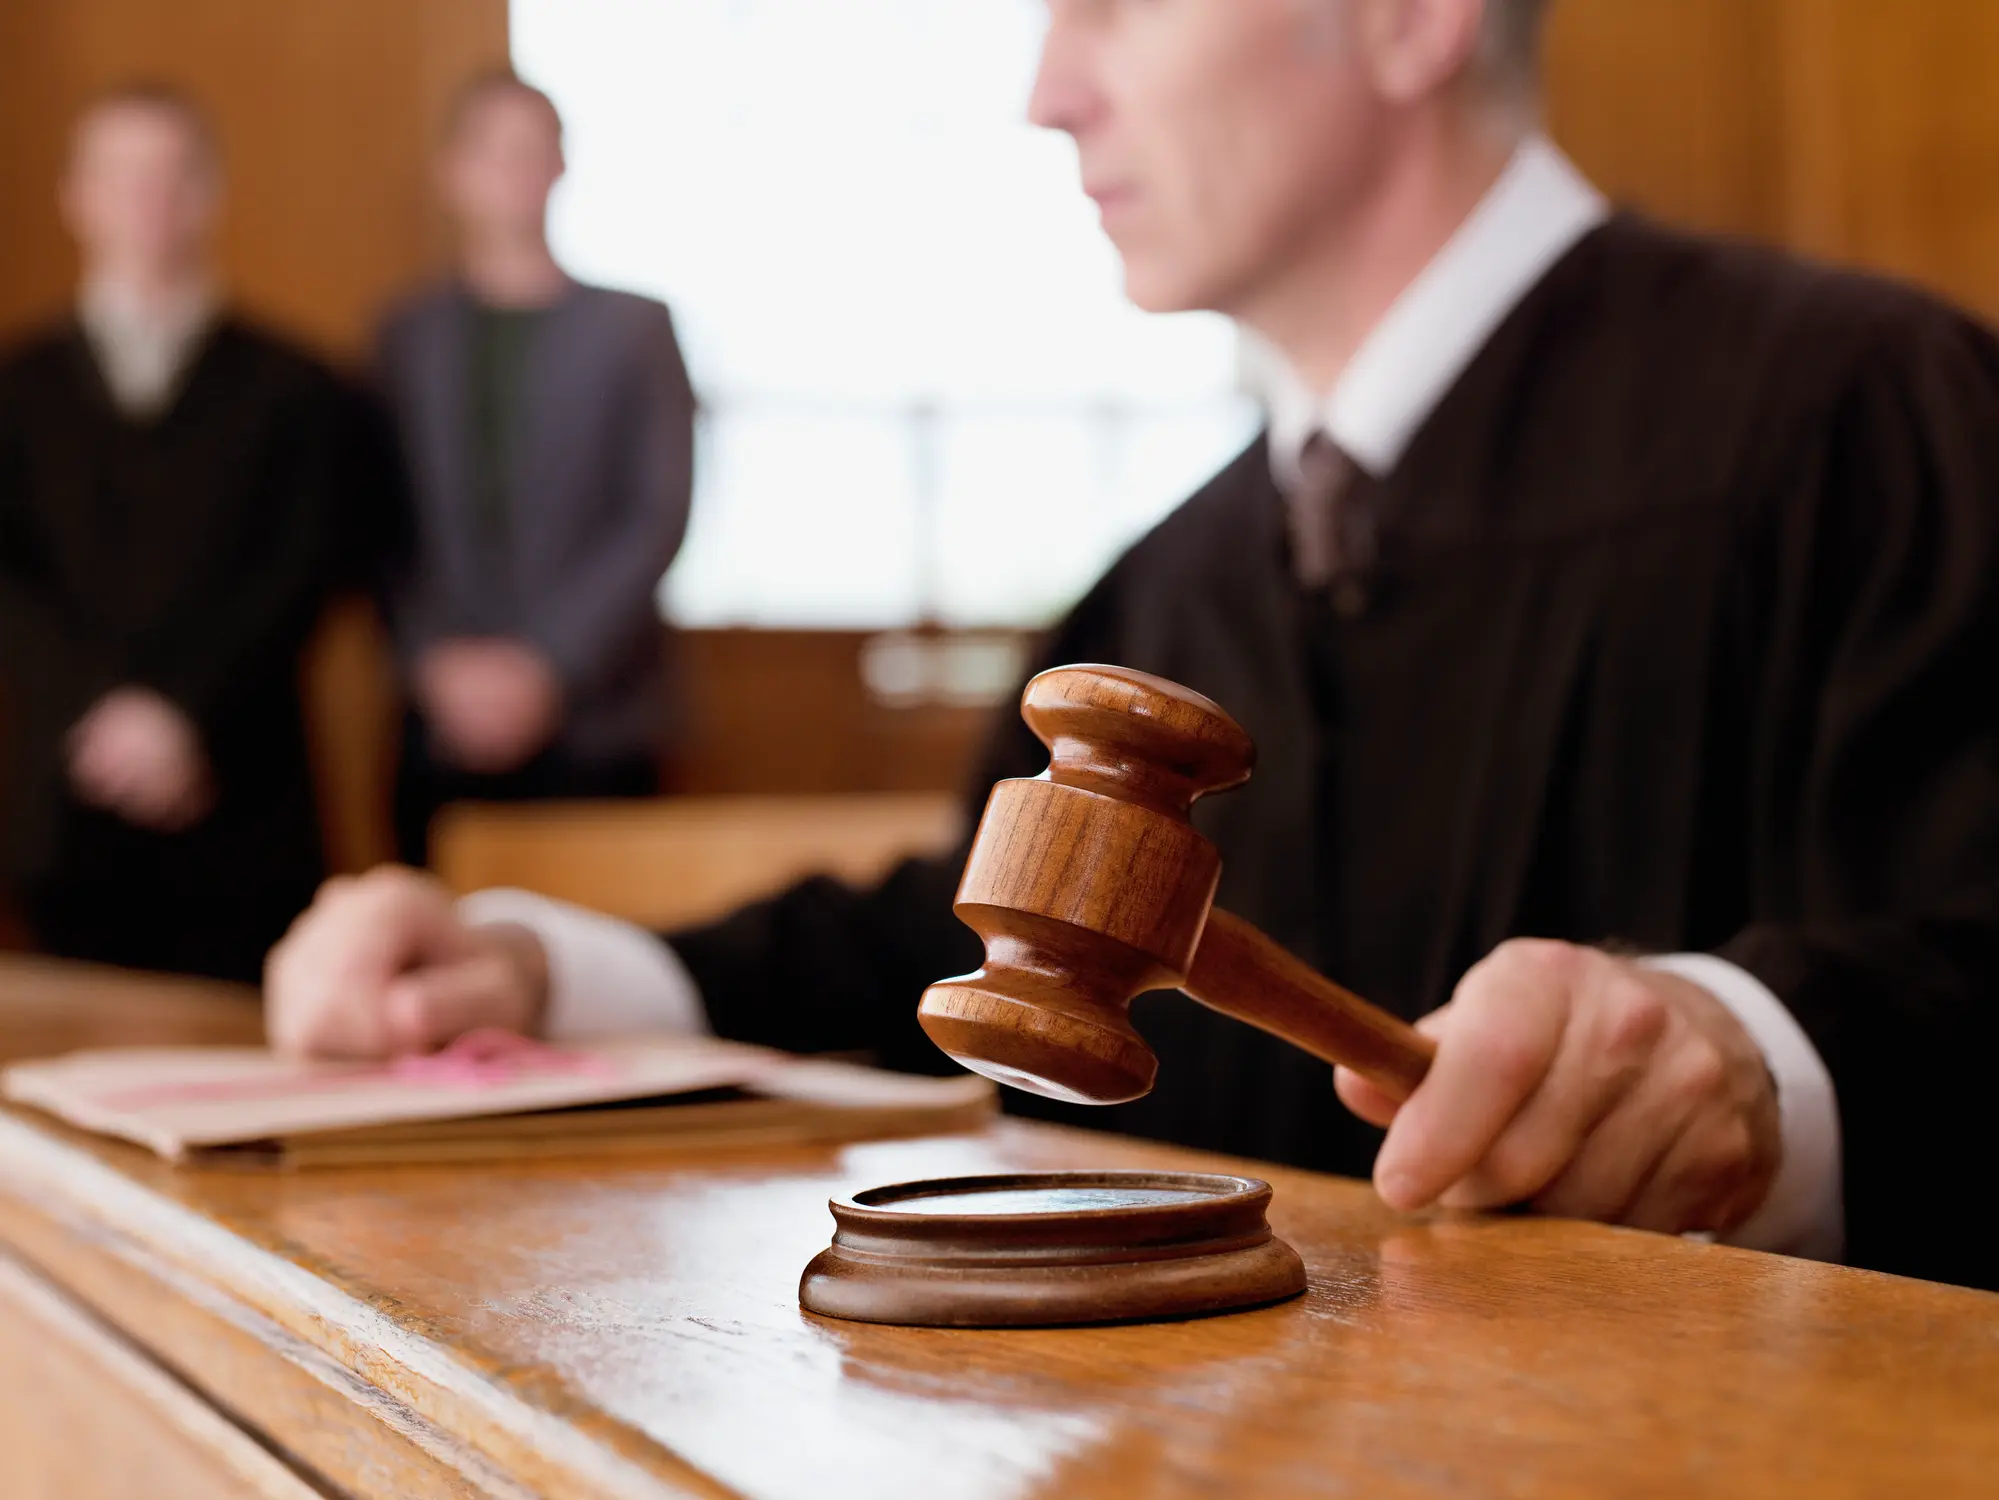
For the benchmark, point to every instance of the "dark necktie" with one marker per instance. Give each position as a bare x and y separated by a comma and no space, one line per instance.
1332,525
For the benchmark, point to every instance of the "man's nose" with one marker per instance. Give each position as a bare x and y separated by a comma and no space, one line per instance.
1065,96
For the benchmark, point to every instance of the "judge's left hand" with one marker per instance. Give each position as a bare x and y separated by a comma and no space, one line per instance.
1587,1086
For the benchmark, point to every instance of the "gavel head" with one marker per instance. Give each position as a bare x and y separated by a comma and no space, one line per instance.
1088,884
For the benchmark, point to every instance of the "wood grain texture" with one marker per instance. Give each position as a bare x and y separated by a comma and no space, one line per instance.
1242,973
1891,126
789,711
327,113
1675,106
1089,886
353,714
352,1436
327,110
1047,1249
48,1007
631,1329
84,1416
634,1331
679,861
777,713
1861,131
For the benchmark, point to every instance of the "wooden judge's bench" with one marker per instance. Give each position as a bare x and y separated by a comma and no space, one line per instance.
630,1328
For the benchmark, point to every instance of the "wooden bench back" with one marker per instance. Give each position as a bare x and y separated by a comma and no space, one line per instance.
677,861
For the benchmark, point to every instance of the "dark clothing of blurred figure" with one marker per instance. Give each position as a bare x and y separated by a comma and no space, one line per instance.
186,549
1681,633
550,454
426,781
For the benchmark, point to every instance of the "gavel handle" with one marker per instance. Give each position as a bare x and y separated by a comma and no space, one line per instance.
1241,973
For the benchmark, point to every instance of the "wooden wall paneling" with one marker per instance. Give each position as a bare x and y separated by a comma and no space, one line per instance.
1860,131
34,261
1672,106
326,111
353,706
1813,193
1891,130
679,861
789,711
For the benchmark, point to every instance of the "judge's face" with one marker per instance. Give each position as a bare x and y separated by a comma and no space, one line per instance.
501,163
1219,138
142,190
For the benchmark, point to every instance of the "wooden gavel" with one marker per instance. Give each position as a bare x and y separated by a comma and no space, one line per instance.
1090,886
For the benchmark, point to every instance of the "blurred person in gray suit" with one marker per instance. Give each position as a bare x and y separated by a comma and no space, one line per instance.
547,428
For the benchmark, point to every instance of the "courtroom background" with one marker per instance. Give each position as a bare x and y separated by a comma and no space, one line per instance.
1864,131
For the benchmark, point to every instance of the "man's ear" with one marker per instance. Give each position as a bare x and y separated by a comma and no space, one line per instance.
1414,48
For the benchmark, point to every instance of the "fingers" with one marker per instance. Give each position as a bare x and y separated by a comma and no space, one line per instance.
167,799
491,703
137,792
1590,1086
475,733
1612,1030
1505,1027
426,1009
1696,1144
1614,1164
137,756
327,983
1707,1180
97,774
1370,1101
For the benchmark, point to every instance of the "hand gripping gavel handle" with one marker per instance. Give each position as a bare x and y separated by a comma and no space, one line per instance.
1241,973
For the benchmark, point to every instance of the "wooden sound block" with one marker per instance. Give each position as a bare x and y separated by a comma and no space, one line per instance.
1040,1249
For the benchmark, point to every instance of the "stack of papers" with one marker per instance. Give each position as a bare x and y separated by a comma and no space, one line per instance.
490,1094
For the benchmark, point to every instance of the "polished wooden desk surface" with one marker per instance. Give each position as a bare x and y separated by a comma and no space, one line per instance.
48,1007
632,1329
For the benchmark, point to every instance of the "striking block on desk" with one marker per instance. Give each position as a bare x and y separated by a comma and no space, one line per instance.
1043,1249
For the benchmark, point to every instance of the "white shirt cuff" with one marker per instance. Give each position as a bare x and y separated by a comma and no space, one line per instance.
1805,1211
605,977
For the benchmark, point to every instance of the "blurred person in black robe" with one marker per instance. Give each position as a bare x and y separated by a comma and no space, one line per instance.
167,477
1614,612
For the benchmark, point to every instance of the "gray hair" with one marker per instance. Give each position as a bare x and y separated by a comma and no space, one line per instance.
1513,31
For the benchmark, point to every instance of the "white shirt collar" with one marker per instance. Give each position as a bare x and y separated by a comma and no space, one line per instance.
144,349
1532,217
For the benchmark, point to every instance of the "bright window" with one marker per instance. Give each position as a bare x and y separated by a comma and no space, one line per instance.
925,396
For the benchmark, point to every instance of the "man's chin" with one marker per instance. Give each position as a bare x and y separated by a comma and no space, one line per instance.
1156,291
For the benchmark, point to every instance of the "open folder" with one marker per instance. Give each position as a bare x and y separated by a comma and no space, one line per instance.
489,1094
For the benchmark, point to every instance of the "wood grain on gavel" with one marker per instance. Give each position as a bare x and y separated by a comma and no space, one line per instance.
1090,886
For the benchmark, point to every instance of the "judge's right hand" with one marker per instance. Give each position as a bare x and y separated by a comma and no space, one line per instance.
382,965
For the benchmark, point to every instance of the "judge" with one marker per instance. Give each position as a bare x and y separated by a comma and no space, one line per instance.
166,478
1613,611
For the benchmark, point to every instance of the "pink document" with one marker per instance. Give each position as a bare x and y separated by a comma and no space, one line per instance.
185,1100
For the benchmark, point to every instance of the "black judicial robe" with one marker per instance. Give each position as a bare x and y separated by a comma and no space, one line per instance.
189,553
1684,636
